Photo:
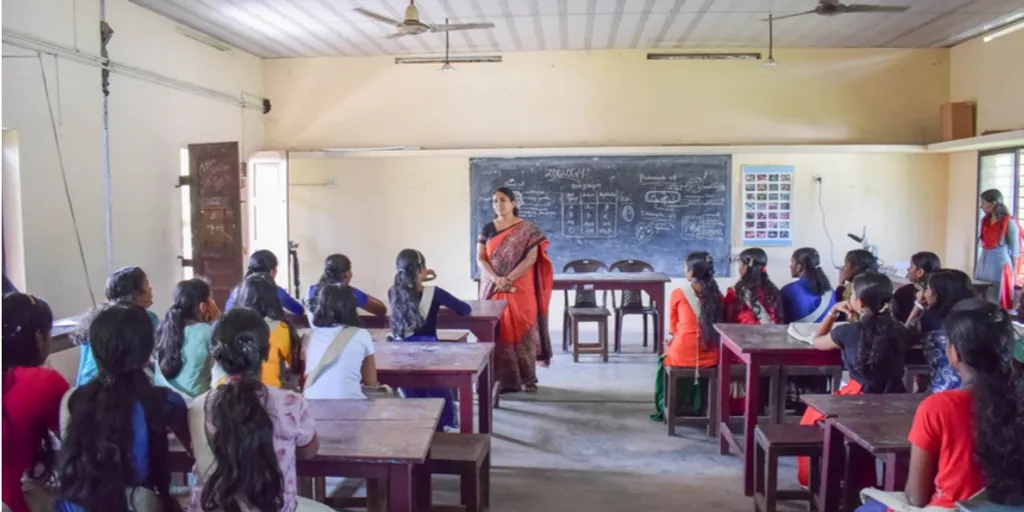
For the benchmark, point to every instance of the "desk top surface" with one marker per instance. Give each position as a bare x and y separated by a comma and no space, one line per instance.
865,405
432,357
763,338
878,434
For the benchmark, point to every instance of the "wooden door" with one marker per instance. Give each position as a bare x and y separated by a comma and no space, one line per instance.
215,176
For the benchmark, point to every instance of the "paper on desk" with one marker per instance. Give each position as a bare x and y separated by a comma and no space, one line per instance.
804,331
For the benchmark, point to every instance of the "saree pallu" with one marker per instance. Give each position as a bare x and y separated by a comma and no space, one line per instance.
524,339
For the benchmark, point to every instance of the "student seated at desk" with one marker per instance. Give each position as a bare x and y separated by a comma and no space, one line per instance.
284,364
128,285
414,310
31,402
264,262
693,311
338,352
248,435
810,297
183,339
967,439
338,270
754,299
906,305
943,290
114,452
873,350
857,262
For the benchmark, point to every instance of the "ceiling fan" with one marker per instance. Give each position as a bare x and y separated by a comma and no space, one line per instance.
834,7
412,26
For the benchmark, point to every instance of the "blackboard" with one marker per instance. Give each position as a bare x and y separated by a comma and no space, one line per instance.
651,208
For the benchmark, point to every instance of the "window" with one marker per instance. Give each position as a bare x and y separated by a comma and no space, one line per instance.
187,272
1003,170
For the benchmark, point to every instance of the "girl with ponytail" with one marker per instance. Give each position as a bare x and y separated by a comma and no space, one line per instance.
810,297
284,364
248,435
906,303
857,262
114,455
873,350
338,271
754,299
183,339
264,262
966,439
694,309
31,401
414,310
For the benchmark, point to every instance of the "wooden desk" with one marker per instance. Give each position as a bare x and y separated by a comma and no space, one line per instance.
387,440
832,406
443,365
651,283
483,321
865,436
757,346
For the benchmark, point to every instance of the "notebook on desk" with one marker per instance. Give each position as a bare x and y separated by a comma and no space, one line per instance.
804,331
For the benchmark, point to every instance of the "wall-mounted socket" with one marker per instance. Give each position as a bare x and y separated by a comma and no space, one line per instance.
817,178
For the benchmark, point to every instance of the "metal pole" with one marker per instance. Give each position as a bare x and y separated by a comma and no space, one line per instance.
105,35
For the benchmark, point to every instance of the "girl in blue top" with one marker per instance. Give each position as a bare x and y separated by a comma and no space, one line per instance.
414,310
810,297
264,262
338,270
128,285
183,339
943,289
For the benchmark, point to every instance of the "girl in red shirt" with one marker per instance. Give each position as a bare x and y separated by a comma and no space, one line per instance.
31,401
754,299
952,459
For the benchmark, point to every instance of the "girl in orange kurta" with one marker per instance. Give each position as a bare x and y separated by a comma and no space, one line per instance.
693,342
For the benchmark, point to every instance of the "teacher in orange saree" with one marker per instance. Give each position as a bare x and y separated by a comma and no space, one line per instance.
514,267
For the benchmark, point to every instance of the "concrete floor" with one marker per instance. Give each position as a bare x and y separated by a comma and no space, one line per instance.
584,442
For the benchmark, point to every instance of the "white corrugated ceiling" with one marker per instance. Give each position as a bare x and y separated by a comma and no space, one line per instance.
320,28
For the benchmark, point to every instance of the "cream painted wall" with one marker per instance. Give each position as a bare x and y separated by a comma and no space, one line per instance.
383,205
962,211
149,126
610,98
991,75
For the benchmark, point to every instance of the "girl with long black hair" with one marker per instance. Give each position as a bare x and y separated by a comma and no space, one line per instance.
129,285
810,297
264,262
338,270
694,309
906,306
414,310
856,262
754,299
31,401
183,339
943,290
284,364
248,435
339,353
114,454
873,350
964,440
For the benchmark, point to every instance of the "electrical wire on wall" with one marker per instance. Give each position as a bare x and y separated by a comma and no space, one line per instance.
824,223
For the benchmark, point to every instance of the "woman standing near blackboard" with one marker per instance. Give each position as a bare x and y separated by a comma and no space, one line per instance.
514,267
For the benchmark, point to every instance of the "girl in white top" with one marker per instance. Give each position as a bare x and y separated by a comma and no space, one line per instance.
339,354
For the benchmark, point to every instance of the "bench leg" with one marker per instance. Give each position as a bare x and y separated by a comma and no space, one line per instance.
574,338
759,477
603,326
670,402
469,487
644,316
712,407
618,331
485,482
771,480
814,483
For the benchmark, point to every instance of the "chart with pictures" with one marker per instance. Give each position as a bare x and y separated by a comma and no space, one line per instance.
767,205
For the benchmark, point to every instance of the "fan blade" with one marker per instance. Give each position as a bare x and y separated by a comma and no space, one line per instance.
378,17
396,35
875,8
460,26
777,18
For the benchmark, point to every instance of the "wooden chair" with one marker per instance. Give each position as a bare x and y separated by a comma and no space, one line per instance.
633,302
584,309
673,375
773,442
469,457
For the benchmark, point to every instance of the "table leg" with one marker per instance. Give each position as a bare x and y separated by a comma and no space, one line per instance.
657,294
858,460
484,384
422,487
723,400
750,413
833,457
466,404
400,488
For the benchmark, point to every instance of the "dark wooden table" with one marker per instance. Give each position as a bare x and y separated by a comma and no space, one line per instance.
483,321
651,283
443,365
852,442
757,346
386,440
904,404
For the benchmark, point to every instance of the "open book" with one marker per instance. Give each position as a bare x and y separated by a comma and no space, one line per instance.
805,331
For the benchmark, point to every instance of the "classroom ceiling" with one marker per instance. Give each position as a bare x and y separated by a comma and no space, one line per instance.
321,28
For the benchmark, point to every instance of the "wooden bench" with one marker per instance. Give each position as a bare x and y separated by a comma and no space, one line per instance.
673,375
595,314
980,505
469,457
775,441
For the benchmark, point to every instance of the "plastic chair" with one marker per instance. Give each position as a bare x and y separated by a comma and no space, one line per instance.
584,307
633,302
